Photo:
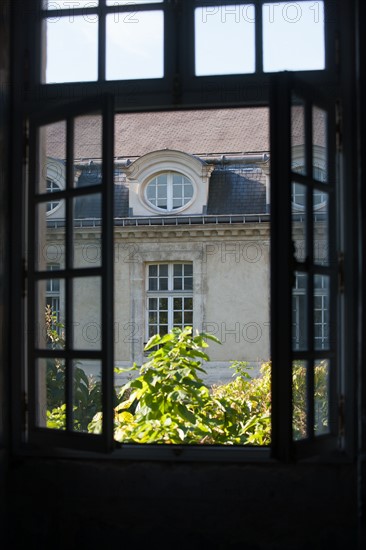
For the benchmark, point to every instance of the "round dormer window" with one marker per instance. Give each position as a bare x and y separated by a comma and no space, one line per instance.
299,190
52,187
169,191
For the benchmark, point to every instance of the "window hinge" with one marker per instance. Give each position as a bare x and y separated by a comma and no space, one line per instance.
338,128
337,51
26,141
341,416
24,410
341,272
24,277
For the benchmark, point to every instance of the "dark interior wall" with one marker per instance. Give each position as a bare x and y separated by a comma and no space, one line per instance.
4,237
73,504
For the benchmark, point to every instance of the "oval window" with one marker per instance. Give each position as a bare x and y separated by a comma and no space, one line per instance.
169,191
52,187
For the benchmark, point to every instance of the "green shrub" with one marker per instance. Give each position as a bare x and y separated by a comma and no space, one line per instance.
168,402
86,389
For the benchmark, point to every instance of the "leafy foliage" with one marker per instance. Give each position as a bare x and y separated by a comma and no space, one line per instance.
299,398
86,389
168,402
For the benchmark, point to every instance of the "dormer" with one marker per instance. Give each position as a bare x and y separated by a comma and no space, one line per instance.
168,182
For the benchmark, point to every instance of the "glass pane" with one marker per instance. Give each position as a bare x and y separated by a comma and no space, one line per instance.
51,176
188,269
177,318
50,314
298,163
67,57
153,329
163,330
178,283
162,191
188,283
321,397
150,192
299,400
163,283
162,203
87,392
50,237
153,270
177,192
293,36
135,45
178,270
299,196
319,144
321,227
153,283
188,318
299,312
153,318
177,304
163,317
163,270
321,311
87,234
50,393
224,39
87,322
188,304
88,141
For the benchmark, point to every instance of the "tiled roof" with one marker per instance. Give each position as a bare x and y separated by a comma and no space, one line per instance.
199,132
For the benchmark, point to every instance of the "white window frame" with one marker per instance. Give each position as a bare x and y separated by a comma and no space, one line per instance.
170,294
169,192
321,292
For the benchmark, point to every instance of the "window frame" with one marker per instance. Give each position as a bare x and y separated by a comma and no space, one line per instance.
180,89
170,294
284,88
169,193
179,86
39,435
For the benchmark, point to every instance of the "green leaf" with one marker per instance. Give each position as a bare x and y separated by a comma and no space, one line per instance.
153,341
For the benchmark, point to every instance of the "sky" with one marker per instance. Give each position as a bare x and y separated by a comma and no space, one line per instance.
293,39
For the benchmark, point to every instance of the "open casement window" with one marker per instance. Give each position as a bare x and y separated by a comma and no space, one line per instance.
70,350
304,282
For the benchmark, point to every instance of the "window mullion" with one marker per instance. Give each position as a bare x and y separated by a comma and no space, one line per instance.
170,290
169,192
170,312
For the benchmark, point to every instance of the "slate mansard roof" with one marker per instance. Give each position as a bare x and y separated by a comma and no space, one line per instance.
232,190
